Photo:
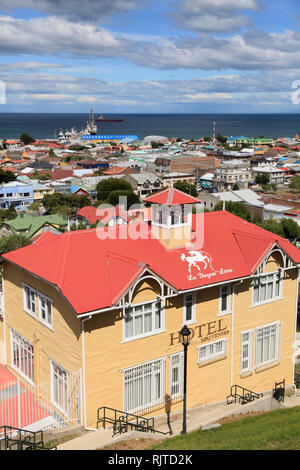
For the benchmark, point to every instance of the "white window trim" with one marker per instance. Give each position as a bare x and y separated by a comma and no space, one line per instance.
250,359
214,356
46,323
25,308
276,359
38,309
273,299
229,300
13,366
63,411
193,319
180,375
150,333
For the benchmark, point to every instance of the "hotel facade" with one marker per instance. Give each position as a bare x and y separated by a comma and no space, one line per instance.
110,303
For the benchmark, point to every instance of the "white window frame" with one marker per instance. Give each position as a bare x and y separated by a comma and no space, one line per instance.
134,379
27,309
228,299
49,315
261,363
23,348
134,313
246,342
192,295
55,392
258,282
211,352
176,363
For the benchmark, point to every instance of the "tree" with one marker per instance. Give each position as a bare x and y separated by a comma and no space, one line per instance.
290,228
156,145
64,203
262,179
185,187
295,183
272,226
108,185
114,198
237,208
221,138
13,242
26,139
235,187
6,176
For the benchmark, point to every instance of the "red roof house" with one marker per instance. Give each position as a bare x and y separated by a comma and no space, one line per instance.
121,258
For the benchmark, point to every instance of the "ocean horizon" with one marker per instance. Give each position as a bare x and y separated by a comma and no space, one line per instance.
187,126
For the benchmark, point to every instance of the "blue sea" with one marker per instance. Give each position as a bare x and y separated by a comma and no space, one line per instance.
187,126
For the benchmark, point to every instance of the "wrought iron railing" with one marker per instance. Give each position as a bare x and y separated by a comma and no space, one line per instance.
242,395
279,391
122,421
12,438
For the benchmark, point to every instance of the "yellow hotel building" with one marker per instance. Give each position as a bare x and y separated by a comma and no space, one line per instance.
110,302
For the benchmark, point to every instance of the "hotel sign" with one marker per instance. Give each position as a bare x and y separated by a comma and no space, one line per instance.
205,331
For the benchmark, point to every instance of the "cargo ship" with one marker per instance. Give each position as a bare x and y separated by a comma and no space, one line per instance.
103,119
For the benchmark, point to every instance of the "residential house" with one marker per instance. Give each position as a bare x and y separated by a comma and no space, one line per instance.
32,226
276,175
169,179
232,172
91,216
16,193
144,183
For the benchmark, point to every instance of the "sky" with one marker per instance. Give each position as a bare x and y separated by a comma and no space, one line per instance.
150,56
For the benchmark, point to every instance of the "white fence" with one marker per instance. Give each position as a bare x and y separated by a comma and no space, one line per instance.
52,405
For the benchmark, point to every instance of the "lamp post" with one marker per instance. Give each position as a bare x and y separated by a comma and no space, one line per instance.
185,335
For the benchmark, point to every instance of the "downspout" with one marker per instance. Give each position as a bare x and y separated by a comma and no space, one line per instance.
295,342
232,326
3,316
83,374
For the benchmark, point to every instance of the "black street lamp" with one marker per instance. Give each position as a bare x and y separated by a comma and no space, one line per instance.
185,335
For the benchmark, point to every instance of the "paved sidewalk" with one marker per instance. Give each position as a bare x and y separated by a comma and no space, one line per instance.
196,418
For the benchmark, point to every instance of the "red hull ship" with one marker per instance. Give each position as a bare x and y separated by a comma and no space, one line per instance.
103,119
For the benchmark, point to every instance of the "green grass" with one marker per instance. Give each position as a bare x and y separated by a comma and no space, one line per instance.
273,430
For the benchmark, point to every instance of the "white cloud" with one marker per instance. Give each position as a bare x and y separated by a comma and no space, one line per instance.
216,16
52,35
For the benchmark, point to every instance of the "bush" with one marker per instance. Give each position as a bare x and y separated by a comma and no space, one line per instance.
13,242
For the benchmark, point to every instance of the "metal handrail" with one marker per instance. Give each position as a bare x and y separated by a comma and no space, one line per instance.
122,421
246,396
21,439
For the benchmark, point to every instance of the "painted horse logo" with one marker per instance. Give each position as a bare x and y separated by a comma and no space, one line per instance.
197,257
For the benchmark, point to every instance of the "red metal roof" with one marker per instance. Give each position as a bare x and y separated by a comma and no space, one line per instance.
170,197
93,214
233,248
